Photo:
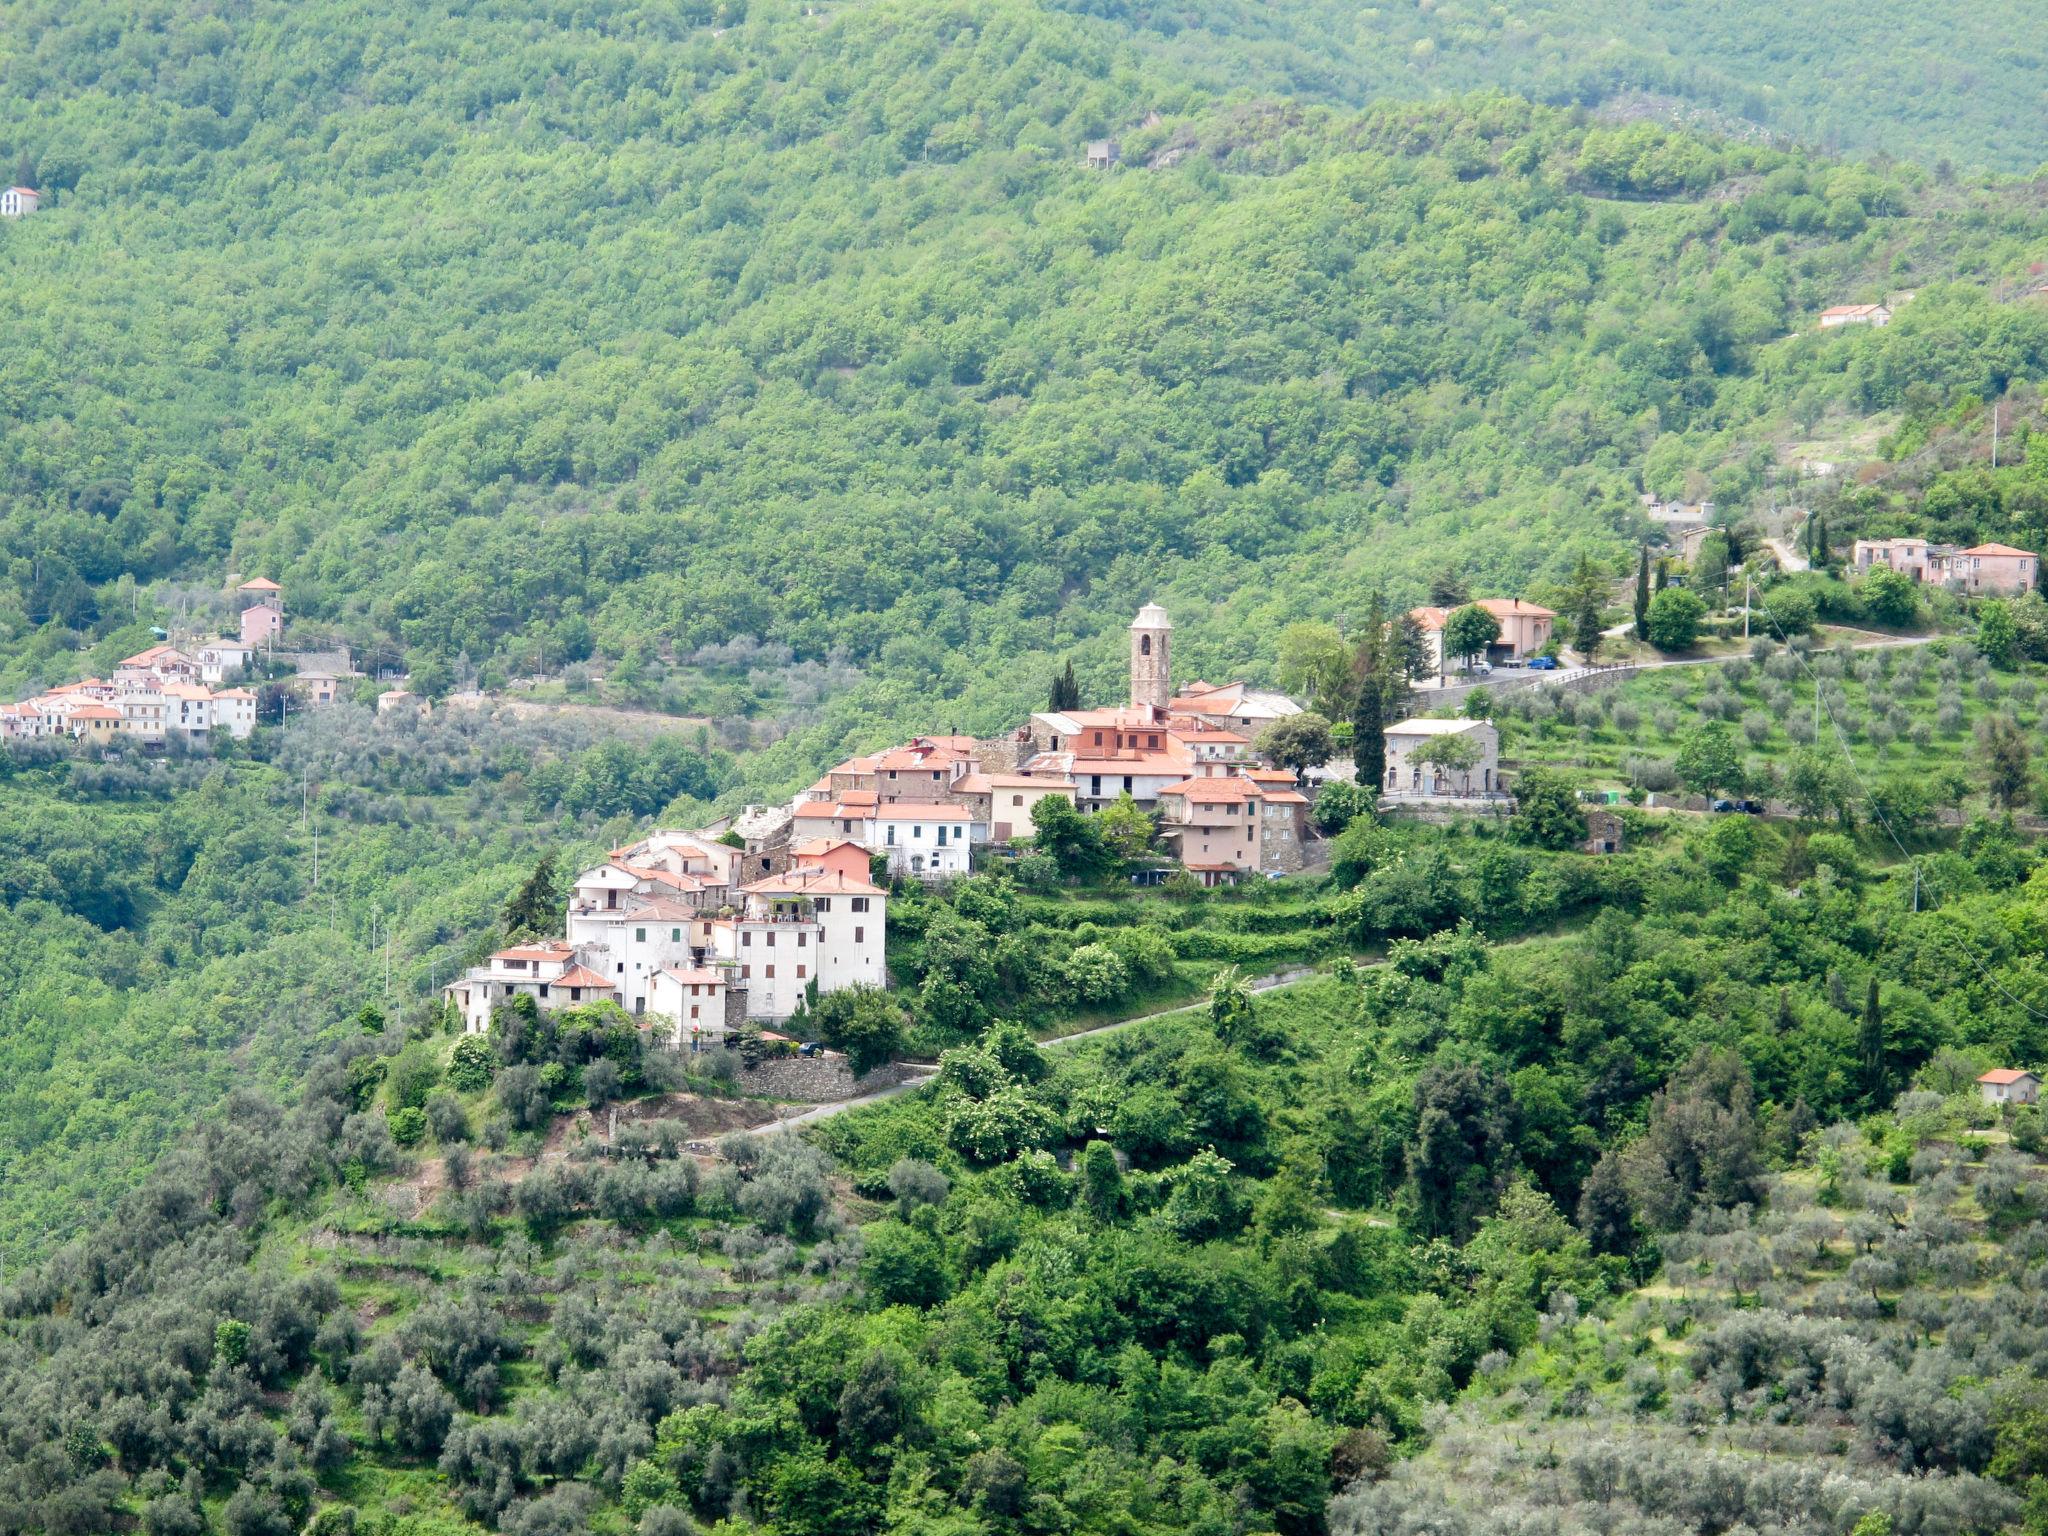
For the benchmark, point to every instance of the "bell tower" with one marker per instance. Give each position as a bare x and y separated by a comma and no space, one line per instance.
1151,644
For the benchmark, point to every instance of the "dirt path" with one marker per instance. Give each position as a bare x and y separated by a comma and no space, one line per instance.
613,715
1292,977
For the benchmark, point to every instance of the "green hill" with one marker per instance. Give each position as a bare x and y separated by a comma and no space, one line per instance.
518,339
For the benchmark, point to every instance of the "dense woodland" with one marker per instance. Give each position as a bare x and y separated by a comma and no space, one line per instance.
616,341
783,368
1200,1275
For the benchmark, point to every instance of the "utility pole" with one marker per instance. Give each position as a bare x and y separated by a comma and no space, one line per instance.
1916,885
1748,585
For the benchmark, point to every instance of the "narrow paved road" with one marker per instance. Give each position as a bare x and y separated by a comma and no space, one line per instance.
1292,977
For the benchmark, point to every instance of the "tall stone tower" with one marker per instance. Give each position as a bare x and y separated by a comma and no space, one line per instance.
1151,645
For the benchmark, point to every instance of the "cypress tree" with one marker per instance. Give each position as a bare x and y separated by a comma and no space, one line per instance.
1065,693
534,908
1870,1048
1369,714
1643,594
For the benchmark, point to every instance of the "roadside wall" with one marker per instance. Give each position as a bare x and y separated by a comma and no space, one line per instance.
815,1079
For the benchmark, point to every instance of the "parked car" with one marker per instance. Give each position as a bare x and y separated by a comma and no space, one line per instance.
1750,807
1543,663
1723,807
1479,669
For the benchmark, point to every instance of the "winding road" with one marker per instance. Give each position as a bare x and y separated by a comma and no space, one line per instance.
1294,976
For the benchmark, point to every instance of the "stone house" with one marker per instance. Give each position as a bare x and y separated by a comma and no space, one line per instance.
1409,776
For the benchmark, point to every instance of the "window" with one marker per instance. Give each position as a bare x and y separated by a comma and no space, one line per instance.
1145,646
746,973
746,941
1127,783
918,833
771,941
799,973
860,903
639,935
824,903
675,935
769,972
1016,799
889,836
543,990
693,1010
860,934
942,837
803,940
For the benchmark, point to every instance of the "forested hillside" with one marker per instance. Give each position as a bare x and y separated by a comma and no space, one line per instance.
521,338
1915,78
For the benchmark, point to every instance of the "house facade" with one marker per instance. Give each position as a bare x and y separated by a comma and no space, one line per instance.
2009,1085
1525,629
1412,774
1995,569
19,202
1855,314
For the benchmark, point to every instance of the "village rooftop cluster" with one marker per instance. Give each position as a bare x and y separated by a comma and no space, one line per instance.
705,932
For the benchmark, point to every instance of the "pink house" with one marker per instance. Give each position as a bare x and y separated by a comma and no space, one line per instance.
261,625
1994,568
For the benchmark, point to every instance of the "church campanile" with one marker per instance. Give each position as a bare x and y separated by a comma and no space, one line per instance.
1151,639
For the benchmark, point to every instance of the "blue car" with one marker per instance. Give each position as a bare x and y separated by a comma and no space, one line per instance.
1542,663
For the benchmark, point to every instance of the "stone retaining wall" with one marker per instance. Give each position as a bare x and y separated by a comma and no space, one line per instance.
814,1079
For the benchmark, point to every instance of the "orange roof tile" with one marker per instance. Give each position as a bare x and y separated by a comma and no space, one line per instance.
582,976
2003,1076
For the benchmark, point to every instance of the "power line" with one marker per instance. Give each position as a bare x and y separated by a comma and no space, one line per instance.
1876,806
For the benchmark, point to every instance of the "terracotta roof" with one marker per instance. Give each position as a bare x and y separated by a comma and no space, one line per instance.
694,976
818,847
833,810
535,952
971,784
1137,763
1269,775
2003,1076
153,655
260,584
1213,789
1851,309
811,882
1509,607
1216,869
2000,549
1284,797
582,976
95,712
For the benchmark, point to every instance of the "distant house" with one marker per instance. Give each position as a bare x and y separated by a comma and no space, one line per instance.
1604,833
19,202
1524,628
1409,743
1855,314
2008,1085
402,701
1103,153
1909,557
1994,568
220,660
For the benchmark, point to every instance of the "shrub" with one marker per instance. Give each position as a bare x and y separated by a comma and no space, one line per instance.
408,1125
471,1065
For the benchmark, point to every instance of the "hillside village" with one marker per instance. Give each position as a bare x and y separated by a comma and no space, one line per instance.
170,693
